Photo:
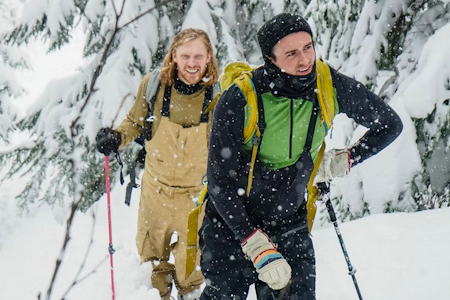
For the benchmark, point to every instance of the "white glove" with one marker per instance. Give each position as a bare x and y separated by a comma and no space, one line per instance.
335,163
272,268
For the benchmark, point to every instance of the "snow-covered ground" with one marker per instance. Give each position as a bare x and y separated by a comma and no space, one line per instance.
397,256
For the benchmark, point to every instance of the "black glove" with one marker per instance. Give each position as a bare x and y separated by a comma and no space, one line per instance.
108,140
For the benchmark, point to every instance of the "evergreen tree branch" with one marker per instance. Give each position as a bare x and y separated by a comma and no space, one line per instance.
115,10
97,73
114,7
120,107
146,12
121,9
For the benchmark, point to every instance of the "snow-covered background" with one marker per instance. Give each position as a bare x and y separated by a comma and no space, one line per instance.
399,48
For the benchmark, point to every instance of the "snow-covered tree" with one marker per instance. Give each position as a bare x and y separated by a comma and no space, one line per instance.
124,40
428,86
10,59
383,44
10,88
232,26
334,23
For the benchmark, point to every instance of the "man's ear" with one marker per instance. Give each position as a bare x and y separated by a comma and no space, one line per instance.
273,60
174,56
209,57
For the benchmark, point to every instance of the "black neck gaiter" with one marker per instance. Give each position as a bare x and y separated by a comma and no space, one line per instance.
290,86
187,89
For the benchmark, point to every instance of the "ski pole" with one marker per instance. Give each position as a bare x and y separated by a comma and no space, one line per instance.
325,192
110,248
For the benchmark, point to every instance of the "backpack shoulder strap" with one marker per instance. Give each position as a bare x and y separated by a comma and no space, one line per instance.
245,84
153,84
217,92
326,92
251,128
326,99
152,88
209,92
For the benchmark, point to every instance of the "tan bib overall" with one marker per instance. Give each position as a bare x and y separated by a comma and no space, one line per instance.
175,163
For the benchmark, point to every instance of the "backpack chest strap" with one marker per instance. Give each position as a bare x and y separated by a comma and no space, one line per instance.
311,127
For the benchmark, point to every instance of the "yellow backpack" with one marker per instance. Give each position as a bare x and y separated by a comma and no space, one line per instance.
240,74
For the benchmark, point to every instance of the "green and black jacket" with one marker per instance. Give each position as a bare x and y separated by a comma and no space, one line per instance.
284,137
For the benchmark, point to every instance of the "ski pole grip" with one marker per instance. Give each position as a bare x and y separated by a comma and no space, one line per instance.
331,211
323,187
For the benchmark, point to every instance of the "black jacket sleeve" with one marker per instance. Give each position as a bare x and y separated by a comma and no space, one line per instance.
368,110
224,160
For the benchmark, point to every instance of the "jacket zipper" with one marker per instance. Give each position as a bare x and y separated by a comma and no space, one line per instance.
291,129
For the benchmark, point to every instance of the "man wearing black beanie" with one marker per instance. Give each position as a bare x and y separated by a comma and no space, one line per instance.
262,237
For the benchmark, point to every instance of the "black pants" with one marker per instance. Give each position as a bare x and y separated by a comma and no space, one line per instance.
228,274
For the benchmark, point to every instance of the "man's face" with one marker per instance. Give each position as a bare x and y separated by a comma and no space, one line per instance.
191,59
294,54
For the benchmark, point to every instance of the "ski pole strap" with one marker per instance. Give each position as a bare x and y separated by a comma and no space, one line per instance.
132,184
121,167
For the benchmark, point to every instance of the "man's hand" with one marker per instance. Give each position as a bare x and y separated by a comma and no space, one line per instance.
108,140
335,163
272,268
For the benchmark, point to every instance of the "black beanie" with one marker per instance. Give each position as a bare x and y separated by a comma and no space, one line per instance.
277,28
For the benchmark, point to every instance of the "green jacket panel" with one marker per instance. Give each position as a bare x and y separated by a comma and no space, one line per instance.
287,123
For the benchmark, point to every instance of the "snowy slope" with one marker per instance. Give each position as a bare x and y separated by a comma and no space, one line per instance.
397,256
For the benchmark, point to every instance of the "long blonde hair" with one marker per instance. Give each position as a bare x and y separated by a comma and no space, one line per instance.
169,66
